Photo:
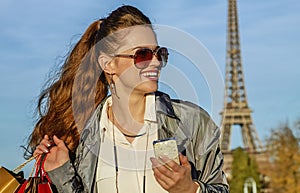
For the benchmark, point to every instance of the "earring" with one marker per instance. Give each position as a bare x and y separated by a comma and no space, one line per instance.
112,85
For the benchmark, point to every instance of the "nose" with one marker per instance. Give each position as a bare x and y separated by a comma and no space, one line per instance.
155,62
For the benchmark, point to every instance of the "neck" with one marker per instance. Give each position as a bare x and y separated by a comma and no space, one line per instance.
128,112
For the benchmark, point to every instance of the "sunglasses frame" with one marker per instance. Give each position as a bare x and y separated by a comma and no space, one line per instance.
154,53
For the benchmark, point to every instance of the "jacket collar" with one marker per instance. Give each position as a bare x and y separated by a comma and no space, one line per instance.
164,105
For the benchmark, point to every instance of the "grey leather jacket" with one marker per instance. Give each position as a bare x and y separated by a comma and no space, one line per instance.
196,134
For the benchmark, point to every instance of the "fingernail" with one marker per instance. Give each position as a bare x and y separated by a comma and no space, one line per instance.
162,157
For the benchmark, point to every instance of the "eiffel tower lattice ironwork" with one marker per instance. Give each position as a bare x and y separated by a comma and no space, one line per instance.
236,110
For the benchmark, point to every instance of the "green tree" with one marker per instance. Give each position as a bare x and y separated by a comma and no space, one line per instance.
284,154
243,167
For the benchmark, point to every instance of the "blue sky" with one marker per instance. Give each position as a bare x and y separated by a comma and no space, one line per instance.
35,35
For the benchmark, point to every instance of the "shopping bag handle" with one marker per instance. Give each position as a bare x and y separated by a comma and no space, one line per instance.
40,168
20,167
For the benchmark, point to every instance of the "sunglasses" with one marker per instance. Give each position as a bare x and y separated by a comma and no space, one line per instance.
143,56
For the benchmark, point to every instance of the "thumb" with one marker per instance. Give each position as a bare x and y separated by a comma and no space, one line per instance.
58,142
184,160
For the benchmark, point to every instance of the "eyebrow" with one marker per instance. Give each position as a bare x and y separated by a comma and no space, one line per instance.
138,47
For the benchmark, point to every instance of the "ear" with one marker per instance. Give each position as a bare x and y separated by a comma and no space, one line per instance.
106,63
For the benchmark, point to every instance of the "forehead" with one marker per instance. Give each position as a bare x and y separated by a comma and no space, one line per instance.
137,36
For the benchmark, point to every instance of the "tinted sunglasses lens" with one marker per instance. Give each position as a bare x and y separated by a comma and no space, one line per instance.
143,57
162,55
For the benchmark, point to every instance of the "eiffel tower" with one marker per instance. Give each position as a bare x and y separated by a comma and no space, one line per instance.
236,110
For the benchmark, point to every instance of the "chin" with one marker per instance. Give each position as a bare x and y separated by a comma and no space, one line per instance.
152,87
149,88
152,91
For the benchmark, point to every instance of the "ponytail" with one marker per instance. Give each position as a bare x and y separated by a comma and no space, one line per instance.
65,106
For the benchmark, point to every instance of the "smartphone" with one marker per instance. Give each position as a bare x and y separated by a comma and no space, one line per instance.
166,147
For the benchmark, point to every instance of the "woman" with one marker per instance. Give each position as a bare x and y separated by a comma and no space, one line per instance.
100,143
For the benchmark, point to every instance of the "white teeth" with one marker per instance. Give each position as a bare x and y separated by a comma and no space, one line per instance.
150,74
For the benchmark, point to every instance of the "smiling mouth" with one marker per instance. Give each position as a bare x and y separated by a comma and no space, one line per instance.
153,74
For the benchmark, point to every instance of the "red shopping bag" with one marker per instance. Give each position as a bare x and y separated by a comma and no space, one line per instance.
40,182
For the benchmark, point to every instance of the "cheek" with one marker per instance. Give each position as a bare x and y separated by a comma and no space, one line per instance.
128,73
123,65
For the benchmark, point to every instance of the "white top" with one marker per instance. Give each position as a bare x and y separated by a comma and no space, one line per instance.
130,156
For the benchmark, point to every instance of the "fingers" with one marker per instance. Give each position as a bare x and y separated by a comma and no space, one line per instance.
165,183
161,167
172,176
169,163
44,146
46,137
166,169
163,174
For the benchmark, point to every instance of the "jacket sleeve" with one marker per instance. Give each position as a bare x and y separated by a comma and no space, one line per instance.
211,177
203,152
207,155
66,179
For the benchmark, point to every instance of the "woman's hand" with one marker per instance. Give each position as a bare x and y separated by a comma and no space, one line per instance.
173,177
57,155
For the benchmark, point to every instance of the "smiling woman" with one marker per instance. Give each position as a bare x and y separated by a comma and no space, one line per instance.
98,142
